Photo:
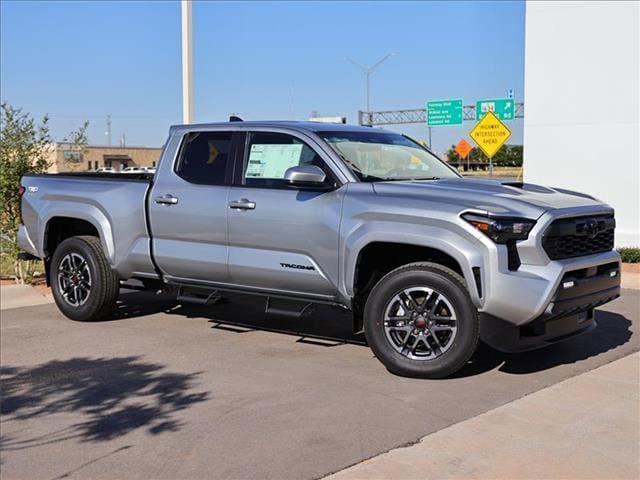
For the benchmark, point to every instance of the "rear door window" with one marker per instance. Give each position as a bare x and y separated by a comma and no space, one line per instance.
204,158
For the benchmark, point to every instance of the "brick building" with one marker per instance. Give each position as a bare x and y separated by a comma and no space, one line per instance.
65,157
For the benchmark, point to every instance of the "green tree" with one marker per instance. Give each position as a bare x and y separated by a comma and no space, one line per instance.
24,145
24,148
508,156
77,140
452,155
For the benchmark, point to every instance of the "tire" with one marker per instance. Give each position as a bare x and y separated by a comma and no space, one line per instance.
432,339
84,286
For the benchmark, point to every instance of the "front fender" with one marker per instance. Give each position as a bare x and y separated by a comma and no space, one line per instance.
465,250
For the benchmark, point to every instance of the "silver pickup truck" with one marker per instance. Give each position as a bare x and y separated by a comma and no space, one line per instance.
306,213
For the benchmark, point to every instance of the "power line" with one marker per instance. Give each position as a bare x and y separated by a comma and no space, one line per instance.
100,115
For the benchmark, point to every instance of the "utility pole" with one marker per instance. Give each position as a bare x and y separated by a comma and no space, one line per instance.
292,102
367,72
187,65
108,132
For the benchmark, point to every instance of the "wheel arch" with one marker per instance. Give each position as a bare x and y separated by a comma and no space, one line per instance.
59,227
371,258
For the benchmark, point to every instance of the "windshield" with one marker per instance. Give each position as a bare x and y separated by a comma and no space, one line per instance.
378,156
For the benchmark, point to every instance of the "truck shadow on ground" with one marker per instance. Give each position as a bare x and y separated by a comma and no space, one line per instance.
330,327
242,313
613,331
114,396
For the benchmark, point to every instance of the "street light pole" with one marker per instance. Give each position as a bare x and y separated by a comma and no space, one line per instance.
187,66
368,90
367,72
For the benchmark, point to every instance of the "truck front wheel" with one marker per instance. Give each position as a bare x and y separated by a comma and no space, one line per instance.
84,286
420,322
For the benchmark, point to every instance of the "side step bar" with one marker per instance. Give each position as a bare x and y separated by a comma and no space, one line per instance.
199,296
271,308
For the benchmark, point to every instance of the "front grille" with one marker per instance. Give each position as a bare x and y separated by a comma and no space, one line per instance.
579,236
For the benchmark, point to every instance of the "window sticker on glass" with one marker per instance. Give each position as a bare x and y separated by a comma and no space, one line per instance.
271,161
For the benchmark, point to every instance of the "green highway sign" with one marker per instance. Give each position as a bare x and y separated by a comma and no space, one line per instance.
503,108
444,112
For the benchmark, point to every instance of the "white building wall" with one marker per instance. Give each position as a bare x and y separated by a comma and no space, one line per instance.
581,125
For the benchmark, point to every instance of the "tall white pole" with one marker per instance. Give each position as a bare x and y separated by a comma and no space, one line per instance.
187,64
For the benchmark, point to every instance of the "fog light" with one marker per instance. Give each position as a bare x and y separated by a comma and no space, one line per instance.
613,273
568,284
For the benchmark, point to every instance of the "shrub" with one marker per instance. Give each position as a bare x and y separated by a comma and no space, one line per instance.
630,254
24,148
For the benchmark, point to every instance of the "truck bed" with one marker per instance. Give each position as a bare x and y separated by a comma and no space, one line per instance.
114,204
102,175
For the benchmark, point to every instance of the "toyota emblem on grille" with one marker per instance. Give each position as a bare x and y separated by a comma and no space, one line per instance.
591,228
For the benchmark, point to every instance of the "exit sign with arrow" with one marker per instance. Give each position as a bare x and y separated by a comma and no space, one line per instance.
503,108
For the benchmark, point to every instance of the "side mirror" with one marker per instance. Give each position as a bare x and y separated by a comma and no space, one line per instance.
305,175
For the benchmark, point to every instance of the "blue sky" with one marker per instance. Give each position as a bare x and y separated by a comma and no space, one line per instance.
262,60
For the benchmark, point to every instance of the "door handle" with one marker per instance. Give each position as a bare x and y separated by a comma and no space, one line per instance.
167,199
242,204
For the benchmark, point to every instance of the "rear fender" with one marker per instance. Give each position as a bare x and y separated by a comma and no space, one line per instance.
87,212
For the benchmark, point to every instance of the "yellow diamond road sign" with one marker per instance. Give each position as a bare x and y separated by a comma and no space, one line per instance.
490,134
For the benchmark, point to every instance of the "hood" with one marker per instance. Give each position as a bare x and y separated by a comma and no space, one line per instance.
494,196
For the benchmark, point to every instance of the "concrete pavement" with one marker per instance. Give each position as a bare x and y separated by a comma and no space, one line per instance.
164,391
630,276
16,296
586,427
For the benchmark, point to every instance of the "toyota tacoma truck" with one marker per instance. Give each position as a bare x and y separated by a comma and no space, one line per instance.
428,263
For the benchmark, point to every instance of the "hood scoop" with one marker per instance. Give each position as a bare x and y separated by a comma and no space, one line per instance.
528,187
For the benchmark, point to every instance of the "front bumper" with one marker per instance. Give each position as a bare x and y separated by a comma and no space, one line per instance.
521,296
570,311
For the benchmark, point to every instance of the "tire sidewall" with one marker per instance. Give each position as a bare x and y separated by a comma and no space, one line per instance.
86,311
467,323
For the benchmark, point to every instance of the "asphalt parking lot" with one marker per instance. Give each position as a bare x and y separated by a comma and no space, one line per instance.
164,391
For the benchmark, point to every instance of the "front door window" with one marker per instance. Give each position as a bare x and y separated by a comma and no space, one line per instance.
269,155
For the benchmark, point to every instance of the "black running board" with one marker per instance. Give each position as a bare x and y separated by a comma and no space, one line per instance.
281,309
198,296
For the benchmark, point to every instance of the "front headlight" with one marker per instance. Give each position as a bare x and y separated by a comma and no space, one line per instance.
501,229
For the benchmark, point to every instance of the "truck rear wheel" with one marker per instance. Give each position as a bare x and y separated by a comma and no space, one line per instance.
420,322
84,286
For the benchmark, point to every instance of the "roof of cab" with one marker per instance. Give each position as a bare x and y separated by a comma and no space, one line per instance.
308,126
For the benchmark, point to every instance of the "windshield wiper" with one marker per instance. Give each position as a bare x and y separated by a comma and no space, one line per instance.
401,179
